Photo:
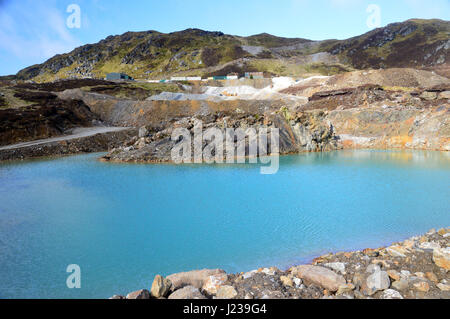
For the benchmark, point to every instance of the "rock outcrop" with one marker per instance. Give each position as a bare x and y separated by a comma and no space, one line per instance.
320,276
196,278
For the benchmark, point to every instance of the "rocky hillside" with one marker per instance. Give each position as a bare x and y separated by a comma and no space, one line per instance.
151,54
45,116
414,43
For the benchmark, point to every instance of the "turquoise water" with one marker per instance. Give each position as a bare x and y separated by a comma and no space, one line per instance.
122,224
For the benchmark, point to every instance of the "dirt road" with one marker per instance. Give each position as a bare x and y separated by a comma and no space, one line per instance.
76,133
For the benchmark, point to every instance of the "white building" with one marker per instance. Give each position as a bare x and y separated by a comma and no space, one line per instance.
178,78
194,78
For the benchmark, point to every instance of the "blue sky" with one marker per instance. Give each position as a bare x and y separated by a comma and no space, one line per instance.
31,31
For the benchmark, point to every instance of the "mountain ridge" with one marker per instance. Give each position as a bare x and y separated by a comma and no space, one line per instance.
154,55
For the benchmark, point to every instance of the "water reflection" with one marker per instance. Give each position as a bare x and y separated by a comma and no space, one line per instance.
423,159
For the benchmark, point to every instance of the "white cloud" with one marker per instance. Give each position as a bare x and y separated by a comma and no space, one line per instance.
36,30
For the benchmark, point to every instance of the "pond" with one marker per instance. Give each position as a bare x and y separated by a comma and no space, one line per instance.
125,223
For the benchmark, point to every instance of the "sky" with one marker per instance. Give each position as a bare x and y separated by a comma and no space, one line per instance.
32,31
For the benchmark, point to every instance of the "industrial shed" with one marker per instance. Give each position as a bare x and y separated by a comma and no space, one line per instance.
118,77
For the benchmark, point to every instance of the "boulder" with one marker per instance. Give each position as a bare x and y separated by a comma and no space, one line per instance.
429,246
391,294
249,274
160,287
396,251
377,281
393,274
408,244
373,268
420,274
336,266
226,292
358,279
401,284
187,292
443,287
268,271
213,283
320,276
345,289
140,143
444,95
422,286
431,277
140,294
297,281
429,95
286,281
441,257
196,278
371,252
405,273
267,294
143,132
381,263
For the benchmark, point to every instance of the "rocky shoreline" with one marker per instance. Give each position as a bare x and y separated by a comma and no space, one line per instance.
417,268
